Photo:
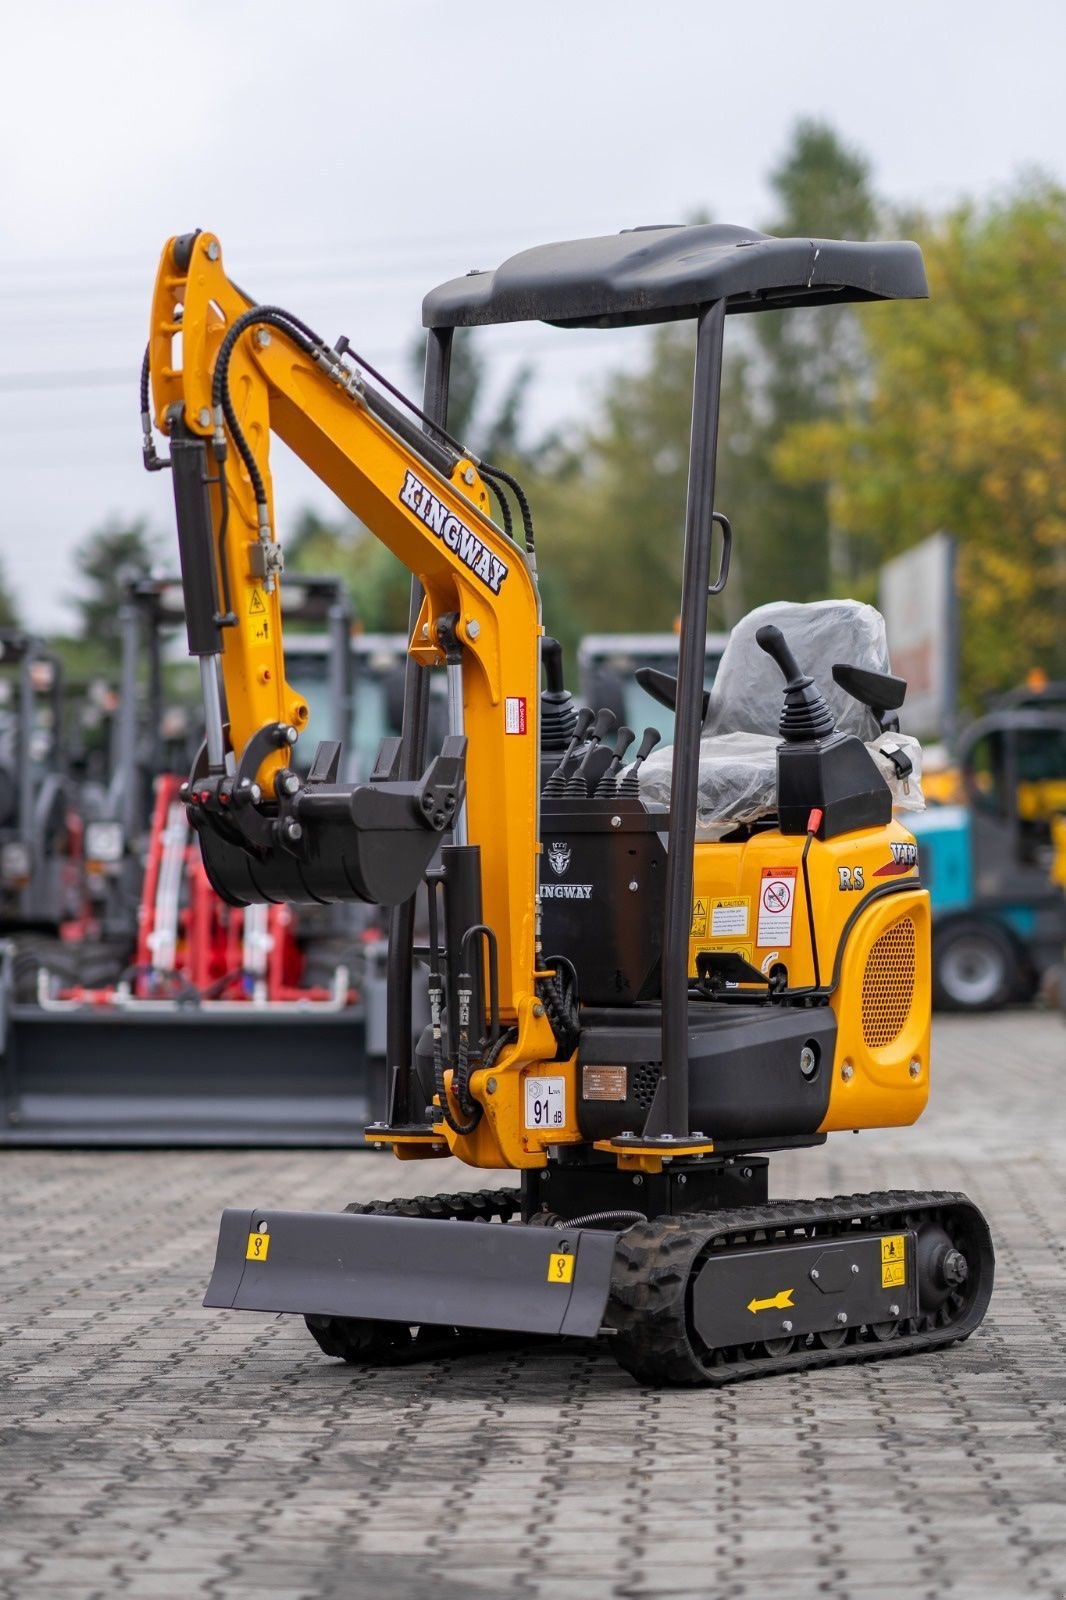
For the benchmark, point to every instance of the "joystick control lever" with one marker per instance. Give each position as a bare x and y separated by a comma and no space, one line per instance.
630,783
805,714
608,782
558,713
605,723
556,784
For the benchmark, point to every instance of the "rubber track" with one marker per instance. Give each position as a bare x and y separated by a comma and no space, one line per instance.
480,1205
656,1263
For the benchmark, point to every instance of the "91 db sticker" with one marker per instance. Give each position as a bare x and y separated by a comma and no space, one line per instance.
514,713
777,899
545,1103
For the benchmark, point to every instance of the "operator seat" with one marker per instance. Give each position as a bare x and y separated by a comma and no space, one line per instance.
738,748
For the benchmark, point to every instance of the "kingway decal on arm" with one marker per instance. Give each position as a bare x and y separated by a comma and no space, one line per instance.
467,546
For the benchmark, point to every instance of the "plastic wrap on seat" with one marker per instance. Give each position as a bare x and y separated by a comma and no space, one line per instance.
738,749
746,697
737,780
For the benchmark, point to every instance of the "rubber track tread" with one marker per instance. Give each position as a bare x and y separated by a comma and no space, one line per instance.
656,1263
479,1205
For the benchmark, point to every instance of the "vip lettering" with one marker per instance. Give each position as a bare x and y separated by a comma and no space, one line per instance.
904,855
453,533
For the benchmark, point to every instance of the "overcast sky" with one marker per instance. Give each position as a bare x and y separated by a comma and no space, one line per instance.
353,153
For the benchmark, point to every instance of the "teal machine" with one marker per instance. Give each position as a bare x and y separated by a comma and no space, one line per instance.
999,921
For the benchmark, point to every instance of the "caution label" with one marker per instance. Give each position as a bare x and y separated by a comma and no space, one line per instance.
777,901
256,605
894,1261
731,949
729,917
258,1247
699,919
514,713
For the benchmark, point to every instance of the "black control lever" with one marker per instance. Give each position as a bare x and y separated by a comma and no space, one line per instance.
605,723
630,783
662,686
880,692
558,714
556,784
607,783
804,714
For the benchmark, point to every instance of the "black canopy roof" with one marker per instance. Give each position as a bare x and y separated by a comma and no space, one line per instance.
663,273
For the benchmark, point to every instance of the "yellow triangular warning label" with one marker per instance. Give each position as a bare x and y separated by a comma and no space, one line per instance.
256,606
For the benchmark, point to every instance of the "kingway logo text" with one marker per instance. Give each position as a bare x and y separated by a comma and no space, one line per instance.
467,546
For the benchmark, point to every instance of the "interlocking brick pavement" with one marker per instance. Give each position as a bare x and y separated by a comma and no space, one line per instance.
151,1448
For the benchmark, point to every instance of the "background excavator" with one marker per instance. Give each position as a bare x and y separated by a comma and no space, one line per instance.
165,1016
638,986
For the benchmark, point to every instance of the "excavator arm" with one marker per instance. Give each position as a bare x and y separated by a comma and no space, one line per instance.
225,374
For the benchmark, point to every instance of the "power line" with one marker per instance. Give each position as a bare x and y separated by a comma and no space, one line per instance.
491,239
126,377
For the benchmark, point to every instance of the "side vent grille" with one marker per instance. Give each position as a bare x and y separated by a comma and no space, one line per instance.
643,1083
888,984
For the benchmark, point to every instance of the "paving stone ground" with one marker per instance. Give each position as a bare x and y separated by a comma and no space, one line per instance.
151,1448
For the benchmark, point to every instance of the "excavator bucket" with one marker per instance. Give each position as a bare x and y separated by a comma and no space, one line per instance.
406,1270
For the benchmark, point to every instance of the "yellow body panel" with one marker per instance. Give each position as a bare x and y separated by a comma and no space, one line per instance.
855,896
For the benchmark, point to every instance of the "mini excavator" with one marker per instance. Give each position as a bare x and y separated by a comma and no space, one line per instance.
585,1031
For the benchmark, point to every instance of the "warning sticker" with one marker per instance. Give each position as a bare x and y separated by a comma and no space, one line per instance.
560,1268
256,605
514,713
699,919
729,917
743,950
777,899
894,1261
258,1247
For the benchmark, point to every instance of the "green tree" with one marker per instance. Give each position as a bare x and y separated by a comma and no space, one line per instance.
106,561
616,501
798,366
963,427
9,610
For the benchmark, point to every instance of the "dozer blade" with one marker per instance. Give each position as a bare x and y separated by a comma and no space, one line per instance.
403,1269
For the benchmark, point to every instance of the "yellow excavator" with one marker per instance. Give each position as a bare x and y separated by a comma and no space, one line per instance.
638,989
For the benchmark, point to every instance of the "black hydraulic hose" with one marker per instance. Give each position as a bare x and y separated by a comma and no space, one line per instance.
558,995
312,344
490,472
301,335
152,460
502,502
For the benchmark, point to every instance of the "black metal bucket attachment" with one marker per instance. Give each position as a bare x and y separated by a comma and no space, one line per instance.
408,1270
326,841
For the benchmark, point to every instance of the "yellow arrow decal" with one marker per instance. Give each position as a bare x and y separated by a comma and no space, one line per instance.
779,1302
